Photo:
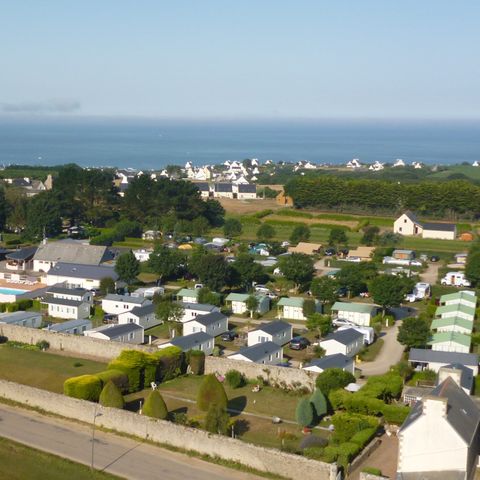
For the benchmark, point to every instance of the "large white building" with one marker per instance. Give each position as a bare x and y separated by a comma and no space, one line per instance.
409,225
81,276
116,304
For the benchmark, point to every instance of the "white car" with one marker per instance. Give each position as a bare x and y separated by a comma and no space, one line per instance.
262,289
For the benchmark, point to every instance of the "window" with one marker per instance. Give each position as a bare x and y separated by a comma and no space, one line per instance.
262,339
270,358
131,335
404,220
400,229
277,355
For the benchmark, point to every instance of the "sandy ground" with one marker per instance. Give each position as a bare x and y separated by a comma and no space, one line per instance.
245,207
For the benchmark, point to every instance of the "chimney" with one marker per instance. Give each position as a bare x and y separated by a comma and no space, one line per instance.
435,406
454,373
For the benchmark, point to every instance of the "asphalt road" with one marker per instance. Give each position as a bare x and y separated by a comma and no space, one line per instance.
120,456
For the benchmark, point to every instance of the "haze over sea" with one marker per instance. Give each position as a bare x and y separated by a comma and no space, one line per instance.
153,144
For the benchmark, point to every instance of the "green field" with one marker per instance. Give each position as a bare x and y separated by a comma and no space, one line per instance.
42,369
19,462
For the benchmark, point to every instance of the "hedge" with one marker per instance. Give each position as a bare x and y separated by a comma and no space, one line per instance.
171,363
395,413
132,363
25,303
362,437
196,361
85,387
111,396
119,378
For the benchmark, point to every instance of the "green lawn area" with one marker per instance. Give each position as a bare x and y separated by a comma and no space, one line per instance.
19,462
476,388
368,354
42,369
160,331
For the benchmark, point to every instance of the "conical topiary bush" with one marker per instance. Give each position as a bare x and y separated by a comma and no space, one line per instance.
154,406
111,396
211,392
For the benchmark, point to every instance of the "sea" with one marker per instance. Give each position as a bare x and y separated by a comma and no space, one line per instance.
153,144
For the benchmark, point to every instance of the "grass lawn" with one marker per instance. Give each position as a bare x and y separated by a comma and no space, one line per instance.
19,462
42,369
368,354
160,331
476,388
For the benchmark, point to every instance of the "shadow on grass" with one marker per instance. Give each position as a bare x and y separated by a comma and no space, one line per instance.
237,405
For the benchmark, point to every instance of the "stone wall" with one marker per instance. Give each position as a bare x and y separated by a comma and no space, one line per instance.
370,476
264,459
276,376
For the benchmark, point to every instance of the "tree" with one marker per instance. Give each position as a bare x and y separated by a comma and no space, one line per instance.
111,396
325,289
3,209
390,290
304,412
168,311
232,227
355,276
127,267
252,304
155,406
319,403
296,267
205,295
214,212
370,235
248,270
199,226
321,323
265,232
389,239
235,379
107,285
414,332
166,262
301,233
332,379
214,271
217,420
337,237
211,392
43,215
309,307
472,268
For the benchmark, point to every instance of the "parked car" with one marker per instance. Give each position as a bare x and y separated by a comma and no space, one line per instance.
229,336
434,258
262,289
198,286
329,252
272,295
299,343
110,318
342,292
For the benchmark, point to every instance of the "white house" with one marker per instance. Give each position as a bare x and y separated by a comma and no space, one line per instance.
213,324
22,319
451,342
141,315
360,314
151,235
277,332
337,360
434,360
65,308
81,276
196,341
292,308
267,353
246,191
116,304
349,342
463,297
72,327
238,303
188,295
126,333
223,190
408,224
143,254
439,438
193,310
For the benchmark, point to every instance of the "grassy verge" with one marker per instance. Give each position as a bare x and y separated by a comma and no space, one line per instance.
19,462
368,354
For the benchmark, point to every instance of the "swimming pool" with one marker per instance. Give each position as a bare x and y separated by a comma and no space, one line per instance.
12,291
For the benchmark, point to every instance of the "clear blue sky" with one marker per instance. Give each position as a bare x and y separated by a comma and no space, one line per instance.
242,58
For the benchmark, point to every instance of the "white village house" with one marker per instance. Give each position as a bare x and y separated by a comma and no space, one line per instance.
196,341
72,327
193,310
337,360
143,315
409,225
434,360
81,276
22,319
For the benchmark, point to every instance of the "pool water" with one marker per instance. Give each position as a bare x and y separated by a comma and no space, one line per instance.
12,291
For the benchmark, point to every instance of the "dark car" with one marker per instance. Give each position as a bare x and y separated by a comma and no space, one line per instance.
342,292
329,252
228,336
434,258
299,343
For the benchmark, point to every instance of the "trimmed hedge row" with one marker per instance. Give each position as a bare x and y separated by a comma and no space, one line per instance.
85,387
16,306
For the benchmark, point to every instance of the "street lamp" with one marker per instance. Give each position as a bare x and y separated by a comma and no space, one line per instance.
95,415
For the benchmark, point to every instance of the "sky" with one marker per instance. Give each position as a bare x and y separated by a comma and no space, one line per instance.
241,59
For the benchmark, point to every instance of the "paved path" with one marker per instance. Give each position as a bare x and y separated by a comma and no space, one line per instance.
120,456
389,355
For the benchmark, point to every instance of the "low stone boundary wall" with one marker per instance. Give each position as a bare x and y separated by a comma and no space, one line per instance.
264,459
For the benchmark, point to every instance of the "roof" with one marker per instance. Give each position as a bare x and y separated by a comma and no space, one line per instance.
466,378
452,337
188,292
462,295
114,331
456,308
223,187
272,328
462,414
337,360
354,307
433,356
291,302
362,252
61,327
75,270
202,186
306,247
143,310
71,252
14,317
61,290
400,250
188,342
412,217
209,318
242,297
452,321
259,351
440,227
201,307
62,301
21,254
432,475
345,337
126,299
247,188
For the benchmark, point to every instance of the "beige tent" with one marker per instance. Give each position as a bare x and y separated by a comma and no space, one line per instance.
305,247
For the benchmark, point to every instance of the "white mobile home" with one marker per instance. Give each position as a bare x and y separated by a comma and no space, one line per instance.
267,353
277,332
116,304
22,319
238,303
360,314
193,310
213,324
142,315
126,333
196,341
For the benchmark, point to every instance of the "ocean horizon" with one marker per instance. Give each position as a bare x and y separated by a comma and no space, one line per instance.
155,143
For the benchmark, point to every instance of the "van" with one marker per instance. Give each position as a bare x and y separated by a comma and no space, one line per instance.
456,279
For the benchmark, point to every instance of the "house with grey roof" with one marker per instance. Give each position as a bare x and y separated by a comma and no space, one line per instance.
223,190
267,353
22,319
213,324
193,310
408,225
348,342
143,315
72,327
360,314
114,304
337,360
246,191
462,375
81,276
440,437
126,333
238,303
434,360
67,308
278,332
196,341
21,259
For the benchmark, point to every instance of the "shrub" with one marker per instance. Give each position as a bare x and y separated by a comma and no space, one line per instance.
85,387
332,379
42,345
319,403
12,307
304,413
111,396
395,413
132,363
372,471
211,391
338,398
25,304
235,379
217,420
315,453
3,307
362,437
105,239
171,363
346,452
119,378
348,424
155,406
196,361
